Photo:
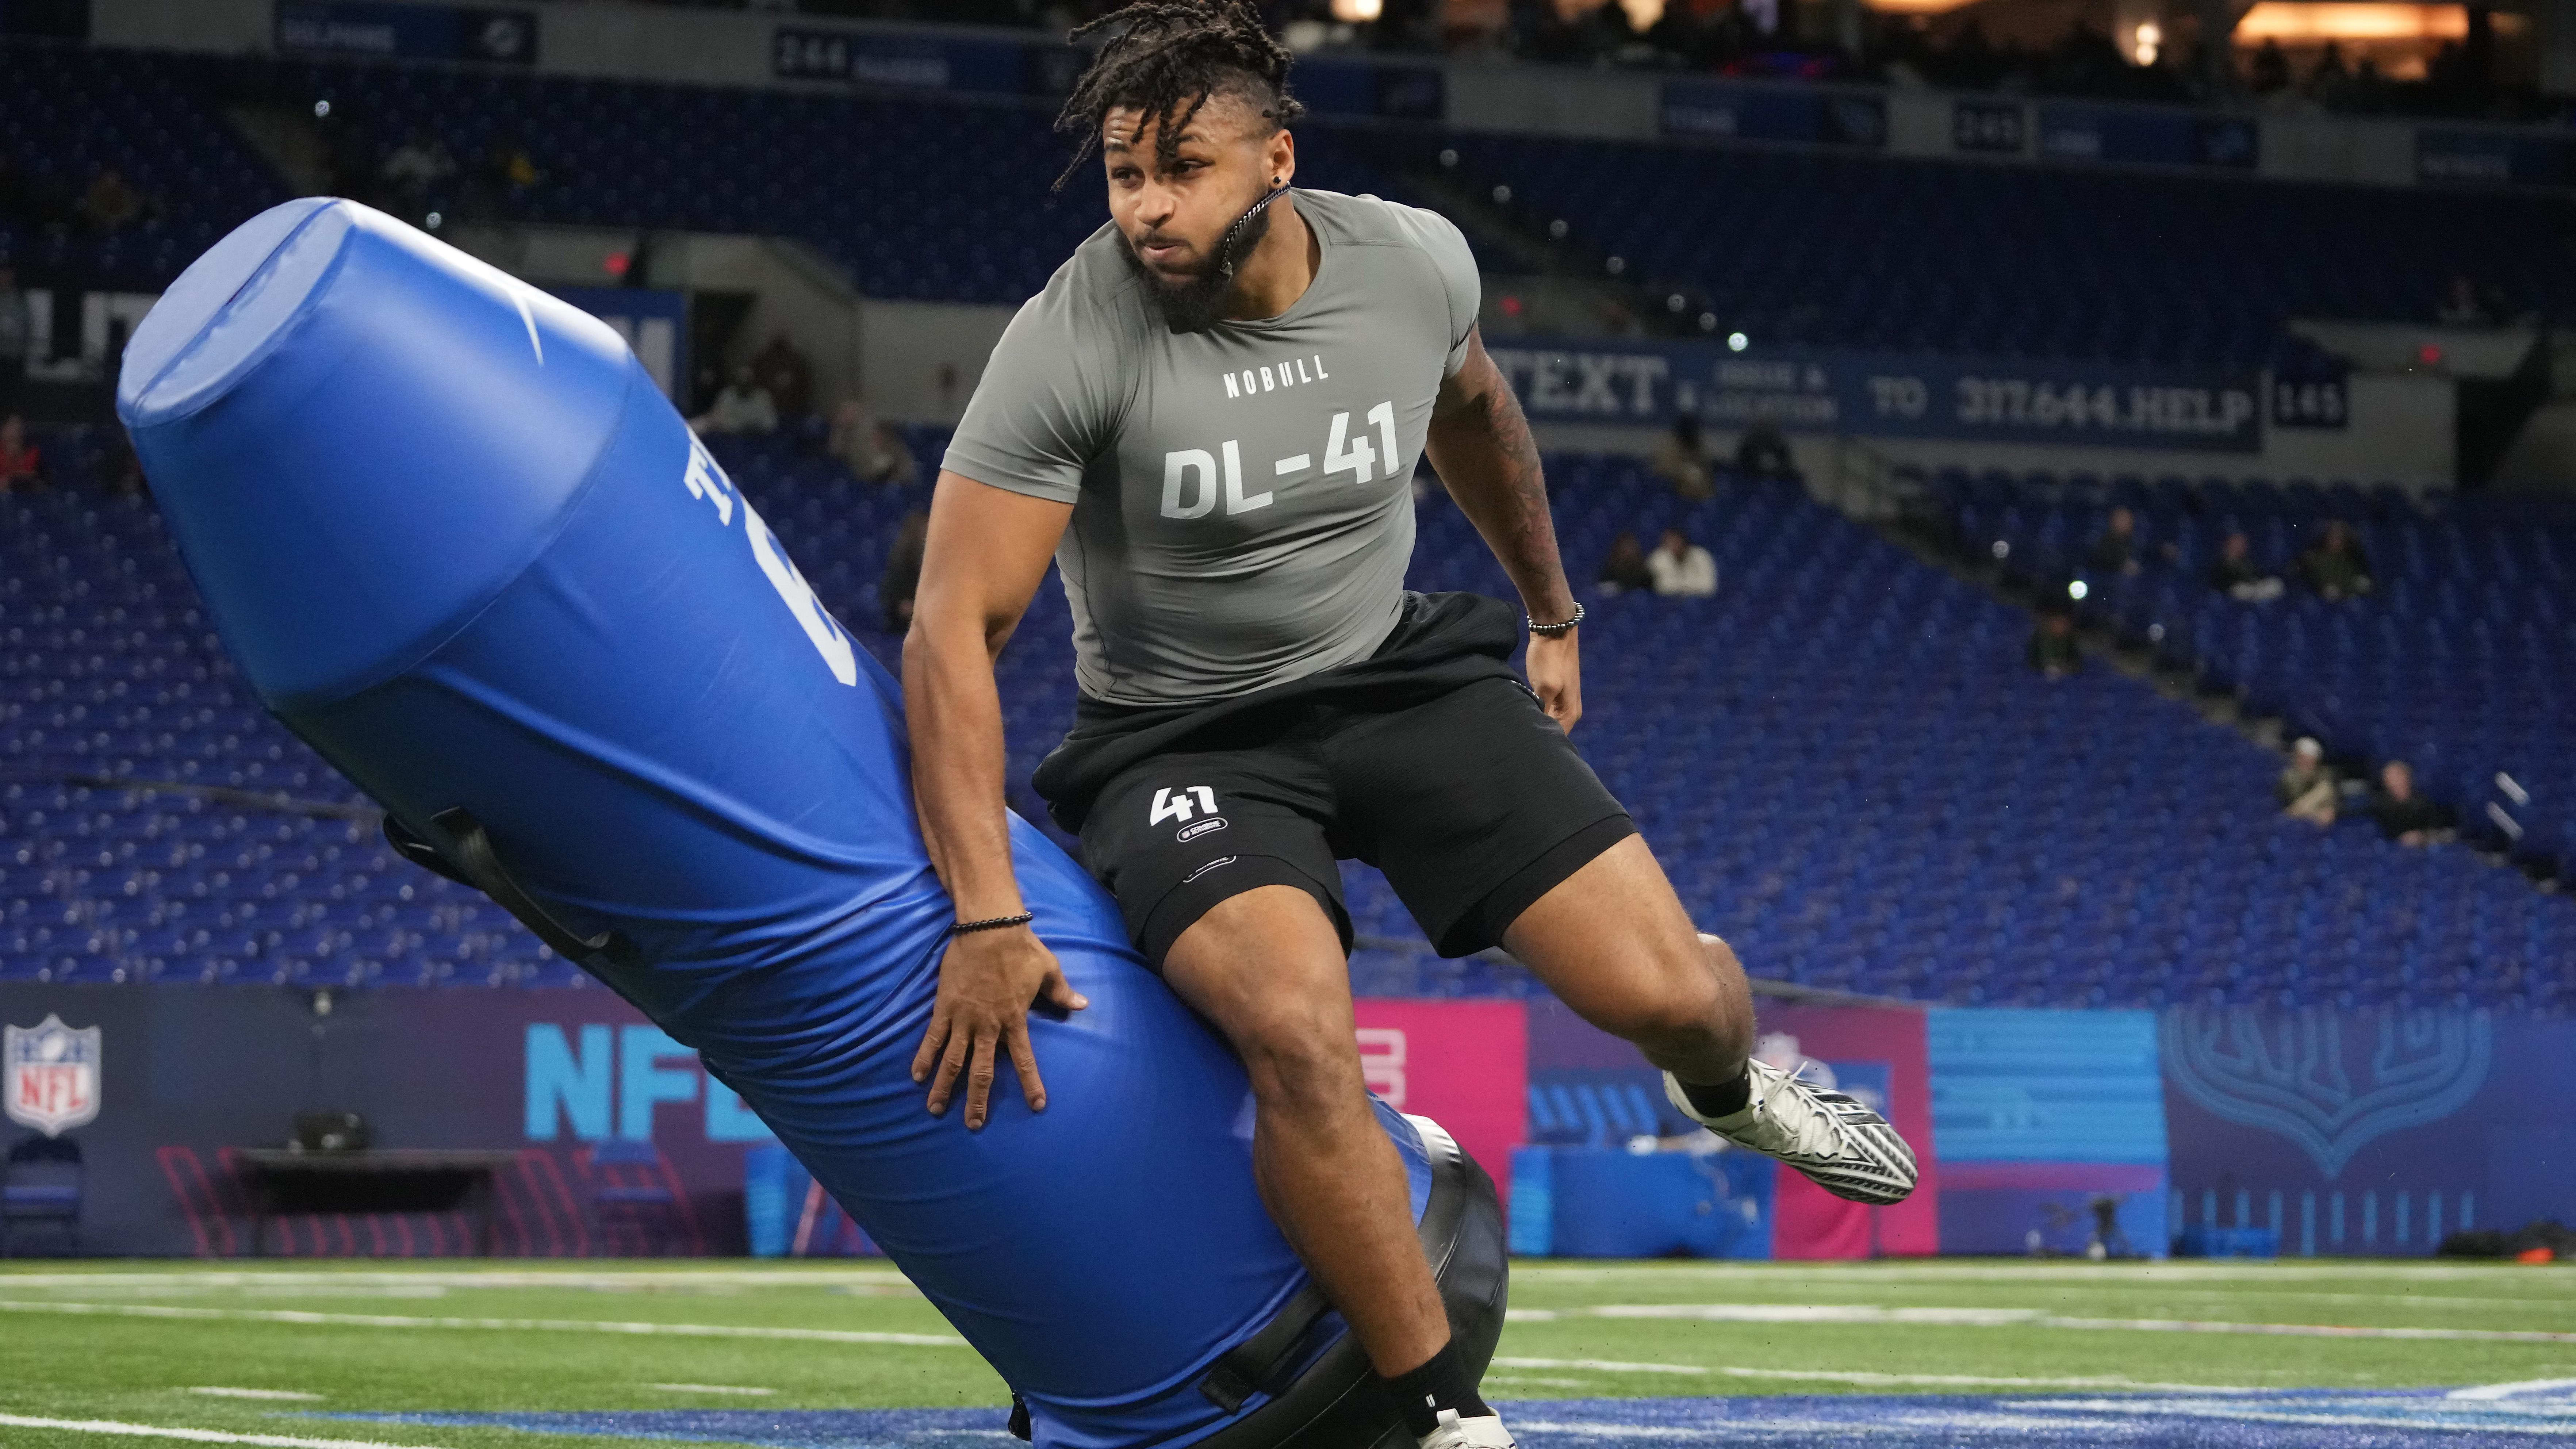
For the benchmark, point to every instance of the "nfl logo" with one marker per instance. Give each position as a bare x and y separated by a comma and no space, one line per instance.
49,1076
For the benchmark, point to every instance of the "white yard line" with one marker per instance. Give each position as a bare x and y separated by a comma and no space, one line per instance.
200,1436
284,1395
1872,1378
282,1279
2070,1273
713,1389
507,1325
2512,1390
2026,1318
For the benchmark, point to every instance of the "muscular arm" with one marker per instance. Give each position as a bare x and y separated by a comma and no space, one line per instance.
986,554
1481,445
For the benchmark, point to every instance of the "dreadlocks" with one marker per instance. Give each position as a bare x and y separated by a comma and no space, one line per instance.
1173,55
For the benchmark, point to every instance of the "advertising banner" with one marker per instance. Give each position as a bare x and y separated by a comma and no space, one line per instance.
407,32
164,1090
1464,1064
2369,1131
1647,383
1599,1093
2052,1132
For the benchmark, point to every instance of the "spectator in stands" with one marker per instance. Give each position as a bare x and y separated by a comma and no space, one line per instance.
1763,452
786,375
2402,815
111,204
2328,79
2269,71
2238,576
504,178
22,464
2117,550
2465,305
743,407
874,452
1625,571
1681,459
2053,649
17,197
414,171
1682,569
17,331
2336,568
2307,789
903,571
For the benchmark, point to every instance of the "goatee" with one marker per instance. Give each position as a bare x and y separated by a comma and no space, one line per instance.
1197,302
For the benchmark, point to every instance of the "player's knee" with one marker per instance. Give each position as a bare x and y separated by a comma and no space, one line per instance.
1691,997
1299,1057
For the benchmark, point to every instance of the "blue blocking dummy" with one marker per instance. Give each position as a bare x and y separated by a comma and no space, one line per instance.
458,541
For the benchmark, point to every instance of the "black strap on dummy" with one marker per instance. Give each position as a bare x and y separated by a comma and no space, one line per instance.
470,860
1256,1362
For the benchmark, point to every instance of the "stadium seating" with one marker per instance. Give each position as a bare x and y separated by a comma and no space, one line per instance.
1841,760
1933,256
2459,661
71,113
1801,247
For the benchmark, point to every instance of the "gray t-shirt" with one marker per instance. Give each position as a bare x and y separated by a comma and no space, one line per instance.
1242,497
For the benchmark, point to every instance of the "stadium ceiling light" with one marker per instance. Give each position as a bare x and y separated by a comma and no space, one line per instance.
1618,265
321,109
1558,228
1676,302
1502,195
1737,342
2076,589
1448,155
1707,321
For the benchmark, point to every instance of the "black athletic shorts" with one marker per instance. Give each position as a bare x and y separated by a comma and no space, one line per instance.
1430,760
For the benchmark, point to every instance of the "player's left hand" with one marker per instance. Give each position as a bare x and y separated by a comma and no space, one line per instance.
1556,676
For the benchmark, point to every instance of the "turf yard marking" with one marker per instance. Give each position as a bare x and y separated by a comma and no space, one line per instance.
712,1389
201,1436
286,1395
1599,1365
511,1325
2035,1318
1869,1377
2513,1390
299,1279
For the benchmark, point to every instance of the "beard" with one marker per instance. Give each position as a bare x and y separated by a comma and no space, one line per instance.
1194,303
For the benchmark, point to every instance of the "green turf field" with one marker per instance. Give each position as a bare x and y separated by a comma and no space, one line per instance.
144,1343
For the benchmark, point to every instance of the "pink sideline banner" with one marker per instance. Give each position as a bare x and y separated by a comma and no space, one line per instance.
1464,1064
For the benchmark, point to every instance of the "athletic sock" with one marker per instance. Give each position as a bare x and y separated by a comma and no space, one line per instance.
1724,1100
1443,1383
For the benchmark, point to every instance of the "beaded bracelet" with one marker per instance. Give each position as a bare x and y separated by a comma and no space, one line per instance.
990,923
1536,627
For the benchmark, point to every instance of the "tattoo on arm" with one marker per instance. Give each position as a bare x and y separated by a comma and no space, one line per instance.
1490,464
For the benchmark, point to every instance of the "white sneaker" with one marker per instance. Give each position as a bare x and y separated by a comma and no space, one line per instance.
1842,1146
1483,1432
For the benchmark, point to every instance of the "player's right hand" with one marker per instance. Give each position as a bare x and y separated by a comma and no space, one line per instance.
987,983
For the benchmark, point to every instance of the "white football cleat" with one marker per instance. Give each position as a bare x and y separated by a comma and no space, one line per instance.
1841,1145
1483,1432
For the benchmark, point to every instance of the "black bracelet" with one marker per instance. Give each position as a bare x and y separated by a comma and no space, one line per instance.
990,923
1536,627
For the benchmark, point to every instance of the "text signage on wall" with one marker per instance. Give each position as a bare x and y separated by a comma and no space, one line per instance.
1649,384
2494,158
871,58
1729,111
2137,135
407,32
